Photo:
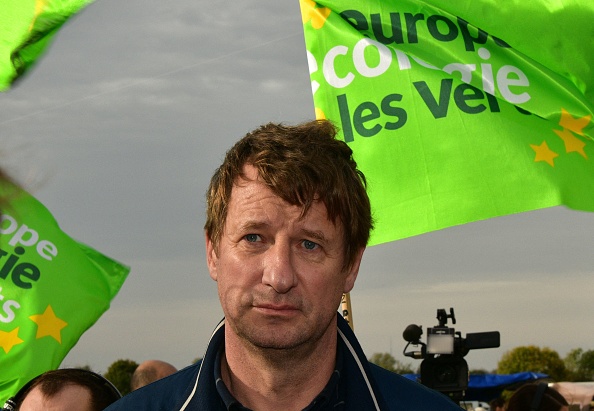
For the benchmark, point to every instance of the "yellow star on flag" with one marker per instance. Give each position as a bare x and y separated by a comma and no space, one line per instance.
48,324
317,16
544,153
572,143
9,339
39,7
574,124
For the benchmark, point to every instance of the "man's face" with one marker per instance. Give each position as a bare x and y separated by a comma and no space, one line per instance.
280,277
70,398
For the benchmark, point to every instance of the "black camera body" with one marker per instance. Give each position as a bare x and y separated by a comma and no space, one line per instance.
444,368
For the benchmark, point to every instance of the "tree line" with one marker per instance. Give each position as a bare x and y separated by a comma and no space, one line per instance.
578,365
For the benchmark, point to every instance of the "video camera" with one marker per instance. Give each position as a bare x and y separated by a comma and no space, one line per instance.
444,368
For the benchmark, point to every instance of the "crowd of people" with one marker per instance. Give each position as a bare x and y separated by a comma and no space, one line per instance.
72,389
288,220
75,389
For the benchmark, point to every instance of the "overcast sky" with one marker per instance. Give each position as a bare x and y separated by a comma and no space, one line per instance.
119,127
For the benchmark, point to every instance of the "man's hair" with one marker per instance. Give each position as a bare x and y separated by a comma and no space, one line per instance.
103,393
528,397
150,371
301,164
143,377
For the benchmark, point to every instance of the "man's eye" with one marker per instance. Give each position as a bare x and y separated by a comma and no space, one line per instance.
309,245
252,238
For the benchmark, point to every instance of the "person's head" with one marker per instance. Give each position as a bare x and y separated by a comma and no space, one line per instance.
288,219
150,371
537,397
498,404
301,164
67,389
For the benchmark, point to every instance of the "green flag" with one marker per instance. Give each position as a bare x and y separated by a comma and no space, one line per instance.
26,29
458,111
52,289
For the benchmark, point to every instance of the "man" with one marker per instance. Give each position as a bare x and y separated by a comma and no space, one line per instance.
150,371
288,219
67,389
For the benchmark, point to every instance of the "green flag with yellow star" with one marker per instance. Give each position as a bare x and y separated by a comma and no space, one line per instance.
26,29
52,289
458,111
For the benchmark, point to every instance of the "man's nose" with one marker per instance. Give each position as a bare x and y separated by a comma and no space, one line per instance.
279,271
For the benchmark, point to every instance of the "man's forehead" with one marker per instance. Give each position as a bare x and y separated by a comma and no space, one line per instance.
252,177
70,396
249,192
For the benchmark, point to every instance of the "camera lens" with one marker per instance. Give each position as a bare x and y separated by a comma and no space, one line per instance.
446,375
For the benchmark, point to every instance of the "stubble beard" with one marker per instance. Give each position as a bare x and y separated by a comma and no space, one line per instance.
282,340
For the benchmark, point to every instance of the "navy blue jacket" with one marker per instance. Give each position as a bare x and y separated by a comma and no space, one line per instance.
368,387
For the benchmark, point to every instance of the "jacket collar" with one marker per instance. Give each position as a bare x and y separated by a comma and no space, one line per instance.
361,391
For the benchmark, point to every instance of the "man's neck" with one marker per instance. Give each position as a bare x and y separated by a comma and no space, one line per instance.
266,379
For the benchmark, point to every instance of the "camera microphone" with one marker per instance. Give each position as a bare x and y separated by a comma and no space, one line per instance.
412,333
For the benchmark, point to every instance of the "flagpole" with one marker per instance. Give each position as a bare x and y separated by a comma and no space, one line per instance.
347,312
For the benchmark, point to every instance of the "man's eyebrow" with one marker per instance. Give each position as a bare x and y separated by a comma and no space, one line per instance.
252,225
316,235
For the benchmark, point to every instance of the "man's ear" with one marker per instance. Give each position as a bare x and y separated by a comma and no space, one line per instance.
211,257
353,271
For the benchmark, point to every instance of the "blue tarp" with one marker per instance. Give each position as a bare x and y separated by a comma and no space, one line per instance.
489,386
